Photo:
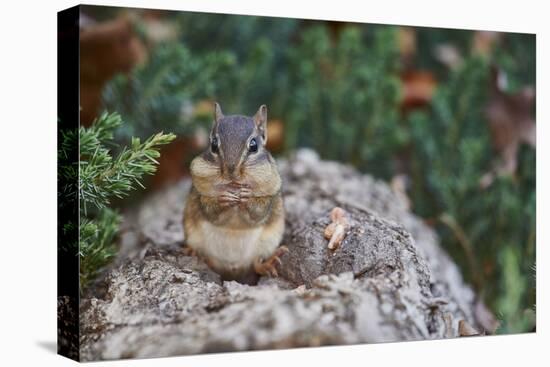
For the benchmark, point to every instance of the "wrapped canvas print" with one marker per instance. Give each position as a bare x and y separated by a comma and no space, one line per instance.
234,183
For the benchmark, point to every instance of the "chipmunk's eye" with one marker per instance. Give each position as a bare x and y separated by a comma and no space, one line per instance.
214,145
253,146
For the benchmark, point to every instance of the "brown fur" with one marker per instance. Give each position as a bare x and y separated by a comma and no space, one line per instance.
234,215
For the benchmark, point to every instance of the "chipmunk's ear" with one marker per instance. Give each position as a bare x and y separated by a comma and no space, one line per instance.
218,114
260,119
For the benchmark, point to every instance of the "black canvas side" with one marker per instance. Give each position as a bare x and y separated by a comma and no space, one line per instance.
67,192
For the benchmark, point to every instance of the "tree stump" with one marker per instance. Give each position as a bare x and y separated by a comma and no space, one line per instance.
389,280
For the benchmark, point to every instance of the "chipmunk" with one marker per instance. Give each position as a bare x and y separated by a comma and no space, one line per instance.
234,215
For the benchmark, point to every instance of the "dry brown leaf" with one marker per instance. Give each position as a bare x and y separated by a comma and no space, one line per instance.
418,88
510,123
406,40
485,318
465,329
106,48
484,41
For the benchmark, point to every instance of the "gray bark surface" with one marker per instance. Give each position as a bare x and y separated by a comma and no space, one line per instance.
388,281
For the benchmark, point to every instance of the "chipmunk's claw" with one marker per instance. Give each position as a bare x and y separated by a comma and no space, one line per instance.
281,250
268,267
228,199
245,193
238,194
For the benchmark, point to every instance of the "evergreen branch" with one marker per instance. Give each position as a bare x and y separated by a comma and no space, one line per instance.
102,176
97,248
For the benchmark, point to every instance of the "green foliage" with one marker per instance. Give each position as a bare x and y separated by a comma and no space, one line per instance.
489,230
451,141
103,176
164,90
97,178
67,170
158,93
209,32
345,96
516,55
97,243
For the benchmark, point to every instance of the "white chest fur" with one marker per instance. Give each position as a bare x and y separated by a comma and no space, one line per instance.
236,248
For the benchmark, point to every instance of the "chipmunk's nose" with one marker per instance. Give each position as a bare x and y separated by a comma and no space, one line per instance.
231,170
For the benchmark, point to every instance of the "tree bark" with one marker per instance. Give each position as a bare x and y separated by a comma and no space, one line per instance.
389,280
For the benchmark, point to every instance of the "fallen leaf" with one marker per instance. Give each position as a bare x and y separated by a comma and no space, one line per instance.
485,318
484,42
406,41
510,120
465,329
106,48
418,88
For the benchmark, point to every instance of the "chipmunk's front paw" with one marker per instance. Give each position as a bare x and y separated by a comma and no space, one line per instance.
189,251
236,194
268,266
228,198
244,195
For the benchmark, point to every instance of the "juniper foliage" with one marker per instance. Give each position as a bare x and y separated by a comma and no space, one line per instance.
98,177
344,94
155,94
490,231
103,176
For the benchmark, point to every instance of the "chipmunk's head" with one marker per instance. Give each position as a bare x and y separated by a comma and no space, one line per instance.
237,143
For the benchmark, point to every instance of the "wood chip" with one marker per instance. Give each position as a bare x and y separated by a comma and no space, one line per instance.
335,232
